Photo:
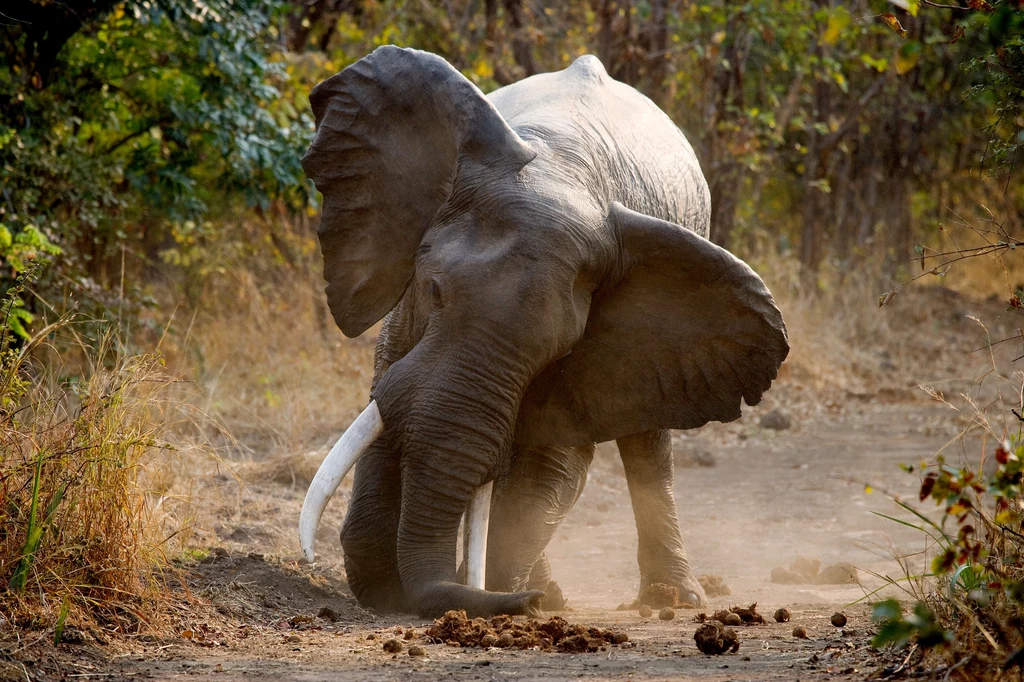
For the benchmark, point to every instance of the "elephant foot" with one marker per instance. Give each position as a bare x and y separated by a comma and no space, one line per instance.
685,592
691,593
553,599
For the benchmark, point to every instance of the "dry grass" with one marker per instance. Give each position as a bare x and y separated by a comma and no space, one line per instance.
74,519
271,363
845,345
92,440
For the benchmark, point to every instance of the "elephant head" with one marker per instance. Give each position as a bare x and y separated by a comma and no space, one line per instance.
537,308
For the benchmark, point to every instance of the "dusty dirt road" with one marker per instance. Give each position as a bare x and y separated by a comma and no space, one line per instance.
769,497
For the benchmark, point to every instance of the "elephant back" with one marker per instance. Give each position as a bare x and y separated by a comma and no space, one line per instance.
612,141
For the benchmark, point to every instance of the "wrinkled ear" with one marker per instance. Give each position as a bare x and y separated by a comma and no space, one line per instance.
680,335
391,132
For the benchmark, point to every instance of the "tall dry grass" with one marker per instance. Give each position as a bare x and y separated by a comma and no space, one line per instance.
87,530
270,363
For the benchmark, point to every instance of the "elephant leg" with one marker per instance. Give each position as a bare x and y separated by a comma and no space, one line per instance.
529,503
368,536
647,459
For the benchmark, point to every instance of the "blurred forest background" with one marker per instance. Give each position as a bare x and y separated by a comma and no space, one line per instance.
149,154
150,148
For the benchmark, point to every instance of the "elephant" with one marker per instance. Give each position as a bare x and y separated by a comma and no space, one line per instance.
540,259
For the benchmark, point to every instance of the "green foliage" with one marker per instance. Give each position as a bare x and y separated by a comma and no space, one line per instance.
158,112
980,554
1001,82
919,625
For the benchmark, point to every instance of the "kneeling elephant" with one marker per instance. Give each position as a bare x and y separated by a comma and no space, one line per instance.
541,257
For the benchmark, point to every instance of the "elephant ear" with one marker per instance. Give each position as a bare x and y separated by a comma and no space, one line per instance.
682,332
392,131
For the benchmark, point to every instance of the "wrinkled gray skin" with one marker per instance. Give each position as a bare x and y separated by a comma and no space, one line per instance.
540,256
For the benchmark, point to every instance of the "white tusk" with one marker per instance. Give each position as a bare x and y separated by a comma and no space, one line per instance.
342,457
477,517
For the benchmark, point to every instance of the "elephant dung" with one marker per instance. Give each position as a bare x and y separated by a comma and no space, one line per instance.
715,639
746,615
456,628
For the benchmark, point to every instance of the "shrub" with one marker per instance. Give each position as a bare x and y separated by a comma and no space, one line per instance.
76,434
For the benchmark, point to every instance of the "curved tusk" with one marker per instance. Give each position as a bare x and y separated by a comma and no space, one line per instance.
342,457
477,517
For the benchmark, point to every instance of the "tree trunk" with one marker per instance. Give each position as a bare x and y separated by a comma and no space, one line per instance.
522,46
657,57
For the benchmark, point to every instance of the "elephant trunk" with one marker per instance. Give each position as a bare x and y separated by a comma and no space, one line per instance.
454,437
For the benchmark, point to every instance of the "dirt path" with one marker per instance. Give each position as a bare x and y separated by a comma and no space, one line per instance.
769,497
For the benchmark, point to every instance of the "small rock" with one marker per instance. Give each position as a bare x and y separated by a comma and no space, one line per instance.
371,637
800,632
646,611
692,456
506,640
620,638
667,613
417,650
782,615
733,619
703,458
488,641
327,613
839,619
392,646
776,420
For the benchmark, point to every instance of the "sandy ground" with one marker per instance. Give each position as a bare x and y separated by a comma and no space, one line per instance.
769,497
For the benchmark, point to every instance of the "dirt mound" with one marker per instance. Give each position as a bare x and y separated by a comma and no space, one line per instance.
746,616
505,632
266,589
714,586
804,571
714,638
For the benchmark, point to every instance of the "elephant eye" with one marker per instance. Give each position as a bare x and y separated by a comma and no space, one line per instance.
435,294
